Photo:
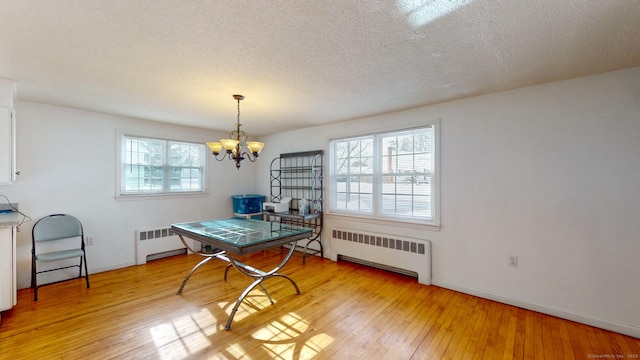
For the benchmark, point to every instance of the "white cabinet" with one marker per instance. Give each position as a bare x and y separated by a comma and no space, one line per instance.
6,146
7,132
8,286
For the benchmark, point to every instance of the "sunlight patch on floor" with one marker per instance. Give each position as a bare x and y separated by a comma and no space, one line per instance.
288,327
252,303
285,338
315,345
288,337
236,351
184,336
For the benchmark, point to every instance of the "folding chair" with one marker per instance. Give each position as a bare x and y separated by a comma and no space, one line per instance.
59,229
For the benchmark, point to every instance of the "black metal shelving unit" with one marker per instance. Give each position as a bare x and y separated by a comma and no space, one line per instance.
299,176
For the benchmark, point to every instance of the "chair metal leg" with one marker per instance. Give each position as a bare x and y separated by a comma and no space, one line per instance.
86,271
35,287
34,279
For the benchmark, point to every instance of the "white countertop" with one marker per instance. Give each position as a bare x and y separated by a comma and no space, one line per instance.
11,219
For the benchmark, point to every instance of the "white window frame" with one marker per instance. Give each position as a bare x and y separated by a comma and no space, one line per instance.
376,215
166,191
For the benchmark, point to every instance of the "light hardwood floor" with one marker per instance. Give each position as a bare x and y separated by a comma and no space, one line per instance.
345,311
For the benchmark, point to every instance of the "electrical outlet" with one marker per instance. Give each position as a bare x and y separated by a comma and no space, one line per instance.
513,261
89,241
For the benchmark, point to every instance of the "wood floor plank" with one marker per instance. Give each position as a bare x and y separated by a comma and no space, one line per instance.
568,349
345,311
439,329
458,348
529,337
510,336
519,343
538,342
629,345
491,330
501,336
547,338
453,328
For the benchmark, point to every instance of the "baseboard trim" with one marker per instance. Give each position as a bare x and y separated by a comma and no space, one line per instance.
587,320
112,267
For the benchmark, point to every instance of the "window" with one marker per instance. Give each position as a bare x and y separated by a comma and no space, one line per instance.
386,175
156,166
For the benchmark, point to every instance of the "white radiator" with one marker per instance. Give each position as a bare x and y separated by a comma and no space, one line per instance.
395,253
158,243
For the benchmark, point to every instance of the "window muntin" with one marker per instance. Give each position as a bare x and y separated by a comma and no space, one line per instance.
386,175
354,166
158,166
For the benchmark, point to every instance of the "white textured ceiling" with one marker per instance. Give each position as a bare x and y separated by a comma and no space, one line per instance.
301,63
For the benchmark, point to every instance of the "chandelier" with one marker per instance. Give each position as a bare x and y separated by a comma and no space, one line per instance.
235,144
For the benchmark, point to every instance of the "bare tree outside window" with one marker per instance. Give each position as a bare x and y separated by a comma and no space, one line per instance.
161,166
386,174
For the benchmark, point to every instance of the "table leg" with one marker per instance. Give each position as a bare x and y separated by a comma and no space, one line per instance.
260,276
207,258
226,270
267,293
184,282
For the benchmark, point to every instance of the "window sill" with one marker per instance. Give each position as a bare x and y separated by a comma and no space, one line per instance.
415,224
177,195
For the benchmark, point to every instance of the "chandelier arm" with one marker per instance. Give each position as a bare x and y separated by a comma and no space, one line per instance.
225,156
252,159
220,159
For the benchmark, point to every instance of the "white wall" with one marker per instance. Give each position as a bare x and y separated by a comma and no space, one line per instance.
67,160
549,173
